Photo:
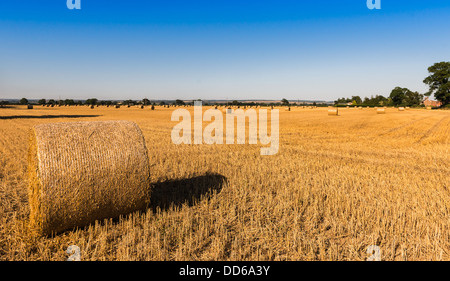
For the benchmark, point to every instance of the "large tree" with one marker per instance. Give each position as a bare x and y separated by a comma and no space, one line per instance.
439,81
405,97
356,100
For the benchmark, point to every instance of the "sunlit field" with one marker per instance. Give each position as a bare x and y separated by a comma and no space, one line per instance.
338,185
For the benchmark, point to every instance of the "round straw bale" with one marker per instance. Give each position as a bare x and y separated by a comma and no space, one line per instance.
381,111
401,109
85,171
332,112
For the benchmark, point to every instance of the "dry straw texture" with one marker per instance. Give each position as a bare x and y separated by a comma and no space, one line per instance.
336,187
84,171
381,111
332,112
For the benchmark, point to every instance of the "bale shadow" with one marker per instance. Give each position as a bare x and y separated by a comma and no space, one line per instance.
165,196
174,193
46,116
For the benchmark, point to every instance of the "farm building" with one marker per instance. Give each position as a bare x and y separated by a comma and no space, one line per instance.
427,102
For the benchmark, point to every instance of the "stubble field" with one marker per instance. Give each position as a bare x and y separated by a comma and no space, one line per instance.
338,185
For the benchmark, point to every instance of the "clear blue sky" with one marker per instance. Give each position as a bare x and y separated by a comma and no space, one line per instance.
218,49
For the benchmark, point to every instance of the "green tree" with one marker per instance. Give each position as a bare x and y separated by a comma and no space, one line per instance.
439,82
398,95
357,99
92,101
42,102
405,97
285,102
413,98
69,102
179,102
342,101
128,102
23,101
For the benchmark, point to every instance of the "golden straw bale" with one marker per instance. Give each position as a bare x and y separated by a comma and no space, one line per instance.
401,109
333,112
381,111
85,171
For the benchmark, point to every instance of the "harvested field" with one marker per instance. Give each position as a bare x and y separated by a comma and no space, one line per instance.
336,187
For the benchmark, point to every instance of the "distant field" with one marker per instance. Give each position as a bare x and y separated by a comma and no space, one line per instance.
338,185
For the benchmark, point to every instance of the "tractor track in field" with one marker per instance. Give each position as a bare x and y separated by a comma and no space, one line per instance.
432,129
403,126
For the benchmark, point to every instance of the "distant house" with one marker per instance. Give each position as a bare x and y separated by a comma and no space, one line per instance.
427,102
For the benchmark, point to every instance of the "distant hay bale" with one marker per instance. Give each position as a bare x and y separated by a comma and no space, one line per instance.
92,107
401,109
30,106
428,107
333,112
407,108
85,171
117,106
381,110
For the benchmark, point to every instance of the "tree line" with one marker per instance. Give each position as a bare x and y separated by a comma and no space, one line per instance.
439,86
438,82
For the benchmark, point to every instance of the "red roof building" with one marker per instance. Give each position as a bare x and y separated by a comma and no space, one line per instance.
427,102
